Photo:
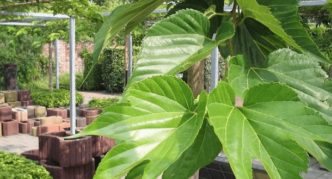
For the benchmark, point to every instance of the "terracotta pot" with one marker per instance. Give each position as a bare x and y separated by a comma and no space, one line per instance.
40,111
66,153
101,145
9,128
23,95
2,98
14,104
90,112
52,120
62,112
90,119
80,122
10,96
31,111
85,171
5,113
26,103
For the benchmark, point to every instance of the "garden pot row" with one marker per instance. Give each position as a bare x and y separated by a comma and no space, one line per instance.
16,98
75,158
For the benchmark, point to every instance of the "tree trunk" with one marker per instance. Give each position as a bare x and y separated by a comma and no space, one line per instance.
126,59
196,78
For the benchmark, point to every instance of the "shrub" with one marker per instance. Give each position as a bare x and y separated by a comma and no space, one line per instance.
113,70
65,81
56,98
94,80
102,103
13,166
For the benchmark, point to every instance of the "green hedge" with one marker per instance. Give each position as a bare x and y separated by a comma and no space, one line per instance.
56,98
13,166
102,103
94,80
113,70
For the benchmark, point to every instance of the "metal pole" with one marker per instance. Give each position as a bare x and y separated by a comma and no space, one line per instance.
214,67
130,55
72,76
50,67
57,64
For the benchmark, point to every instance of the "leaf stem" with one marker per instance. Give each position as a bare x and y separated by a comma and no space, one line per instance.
218,14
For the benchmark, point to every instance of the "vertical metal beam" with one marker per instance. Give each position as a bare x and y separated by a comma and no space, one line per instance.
50,67
130,55
57,64
72,76
214,67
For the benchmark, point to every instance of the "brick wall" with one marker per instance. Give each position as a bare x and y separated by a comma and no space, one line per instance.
64,55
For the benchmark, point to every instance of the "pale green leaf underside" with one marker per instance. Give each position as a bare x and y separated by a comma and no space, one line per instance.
301,72
259,130
158,125
176,43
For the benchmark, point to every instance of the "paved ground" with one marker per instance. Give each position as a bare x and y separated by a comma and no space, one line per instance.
89,95
18,143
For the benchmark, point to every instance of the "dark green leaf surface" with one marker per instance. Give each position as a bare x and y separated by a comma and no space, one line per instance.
287,13
245,132
176,43
160,124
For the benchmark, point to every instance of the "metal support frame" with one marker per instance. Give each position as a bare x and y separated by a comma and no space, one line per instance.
214,66
57,64
72,76
130,55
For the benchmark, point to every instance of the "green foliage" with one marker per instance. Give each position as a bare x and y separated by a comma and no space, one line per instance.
323,38
113,70
301,72
102,103
65,81
186,42
175,119
55,98
14,166
162,130
93,79
20,49
245,132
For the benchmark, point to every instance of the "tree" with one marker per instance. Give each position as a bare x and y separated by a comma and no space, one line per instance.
161,129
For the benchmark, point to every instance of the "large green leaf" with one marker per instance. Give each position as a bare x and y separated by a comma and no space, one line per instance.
252,9
201,153
268,127
287,13
176,43
160,123
301,72
123,17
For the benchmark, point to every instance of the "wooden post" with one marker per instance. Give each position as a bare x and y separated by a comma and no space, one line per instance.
196,78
